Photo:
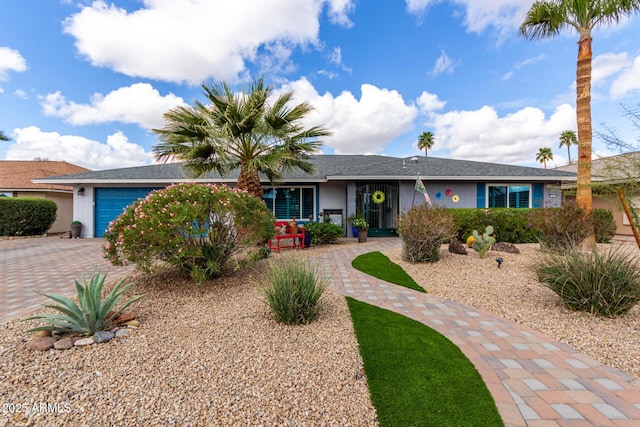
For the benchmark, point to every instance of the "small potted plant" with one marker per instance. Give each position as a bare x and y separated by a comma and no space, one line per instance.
362,226
76,229
294,226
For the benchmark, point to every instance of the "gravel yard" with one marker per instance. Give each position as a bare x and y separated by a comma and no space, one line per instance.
212,354
204,355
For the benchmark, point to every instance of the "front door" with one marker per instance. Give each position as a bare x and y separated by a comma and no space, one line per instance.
379,203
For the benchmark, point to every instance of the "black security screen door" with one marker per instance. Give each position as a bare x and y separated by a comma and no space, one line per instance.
379,204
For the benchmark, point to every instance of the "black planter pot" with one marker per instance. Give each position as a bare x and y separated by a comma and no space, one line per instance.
76,230
307,238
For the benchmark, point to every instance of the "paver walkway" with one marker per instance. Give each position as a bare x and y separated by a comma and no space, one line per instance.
46,264
535,380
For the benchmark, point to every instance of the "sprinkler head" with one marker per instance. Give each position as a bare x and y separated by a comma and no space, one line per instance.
499,261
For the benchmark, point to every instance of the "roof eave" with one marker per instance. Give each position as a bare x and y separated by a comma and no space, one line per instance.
452,178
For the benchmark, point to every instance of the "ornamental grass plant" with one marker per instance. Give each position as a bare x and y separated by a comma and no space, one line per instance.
295,289
601,281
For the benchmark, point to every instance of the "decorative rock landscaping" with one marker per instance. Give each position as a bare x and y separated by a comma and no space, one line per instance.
43,340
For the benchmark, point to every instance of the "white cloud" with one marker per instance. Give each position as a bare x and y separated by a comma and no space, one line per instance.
359,126
192,40
21,94
339,12
443,65
336,56
117,152
627,81
329,74
606,65
139,103
482,135
419,6
523,64
429,102
10,60
503,15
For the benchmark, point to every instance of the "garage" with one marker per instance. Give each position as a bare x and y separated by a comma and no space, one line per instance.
111,202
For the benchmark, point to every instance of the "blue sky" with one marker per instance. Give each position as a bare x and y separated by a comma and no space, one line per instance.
86,81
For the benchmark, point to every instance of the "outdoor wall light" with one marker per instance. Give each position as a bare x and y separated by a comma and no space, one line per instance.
81,191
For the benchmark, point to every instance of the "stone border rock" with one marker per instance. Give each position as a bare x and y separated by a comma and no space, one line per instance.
44,340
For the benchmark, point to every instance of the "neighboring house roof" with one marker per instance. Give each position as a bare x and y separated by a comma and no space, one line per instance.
16,175
611,169
334,167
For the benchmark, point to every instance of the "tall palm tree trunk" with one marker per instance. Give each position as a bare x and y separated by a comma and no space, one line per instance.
249,181
583,112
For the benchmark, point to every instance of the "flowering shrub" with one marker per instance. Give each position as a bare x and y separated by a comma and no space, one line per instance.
196,227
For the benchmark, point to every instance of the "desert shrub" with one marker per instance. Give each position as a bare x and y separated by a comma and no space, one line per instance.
603,282
26,217
604,225
561,228
323,233
295,290
510,225
196,227
423,230
90,314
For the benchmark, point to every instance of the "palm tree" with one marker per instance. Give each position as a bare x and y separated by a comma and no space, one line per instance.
568,138
425,141
549,18
3,137
250,131
543,155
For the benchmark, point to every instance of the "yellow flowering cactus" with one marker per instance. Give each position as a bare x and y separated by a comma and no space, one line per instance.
470,241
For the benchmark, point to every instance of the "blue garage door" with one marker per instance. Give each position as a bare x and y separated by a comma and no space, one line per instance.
111,202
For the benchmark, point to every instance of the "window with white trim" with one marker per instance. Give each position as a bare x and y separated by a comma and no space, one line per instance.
289,202
508,196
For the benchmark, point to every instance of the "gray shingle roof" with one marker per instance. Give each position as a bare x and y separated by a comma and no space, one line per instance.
616,168
335,167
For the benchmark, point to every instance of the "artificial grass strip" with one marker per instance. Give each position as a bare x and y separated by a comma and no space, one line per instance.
416,376
378,265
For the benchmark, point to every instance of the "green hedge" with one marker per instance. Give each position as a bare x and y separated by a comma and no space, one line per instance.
513,226
509,225
26,217
323,233
604,225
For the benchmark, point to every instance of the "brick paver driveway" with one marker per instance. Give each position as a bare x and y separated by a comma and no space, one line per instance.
46,264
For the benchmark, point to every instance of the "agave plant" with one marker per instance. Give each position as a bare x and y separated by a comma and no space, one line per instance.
90,314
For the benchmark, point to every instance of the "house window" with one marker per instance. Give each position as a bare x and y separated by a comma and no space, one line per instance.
509,196
287,202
